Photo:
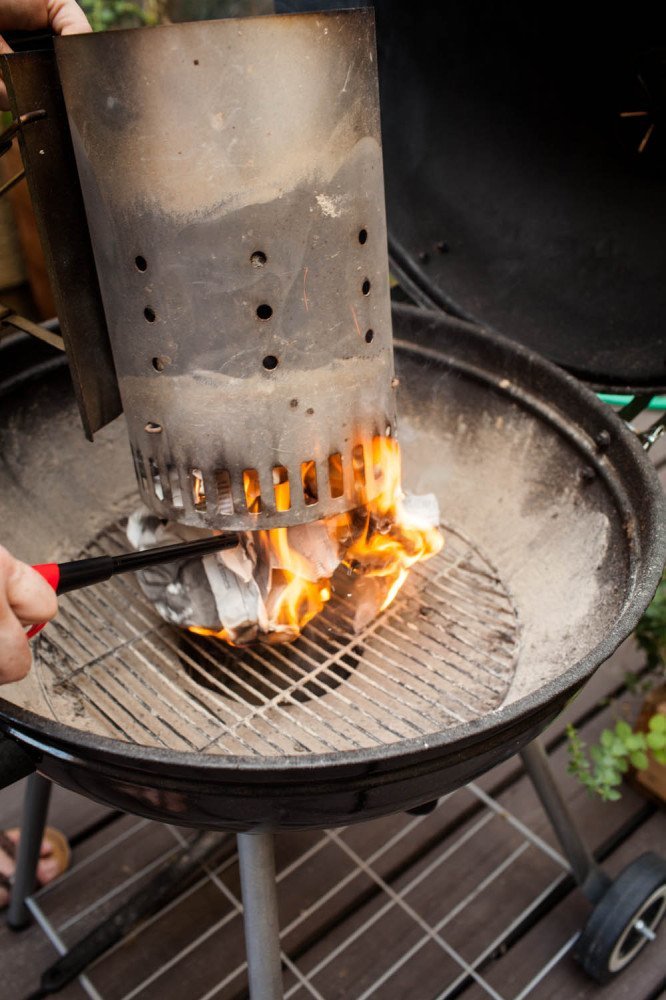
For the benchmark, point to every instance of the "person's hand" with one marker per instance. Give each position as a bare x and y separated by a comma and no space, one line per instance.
25,598
64,16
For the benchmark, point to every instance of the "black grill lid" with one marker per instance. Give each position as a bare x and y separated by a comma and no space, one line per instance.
525,160
525,164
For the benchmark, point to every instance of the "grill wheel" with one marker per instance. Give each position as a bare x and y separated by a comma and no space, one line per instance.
625,919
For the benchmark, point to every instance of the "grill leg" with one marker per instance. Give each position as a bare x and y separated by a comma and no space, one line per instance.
35,808
587,872
260,915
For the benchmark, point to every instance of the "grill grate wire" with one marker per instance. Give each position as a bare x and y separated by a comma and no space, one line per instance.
444,652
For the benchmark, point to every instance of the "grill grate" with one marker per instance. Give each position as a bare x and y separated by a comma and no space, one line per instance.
443,653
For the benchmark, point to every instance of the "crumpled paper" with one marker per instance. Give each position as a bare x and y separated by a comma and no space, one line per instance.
229,589
234,589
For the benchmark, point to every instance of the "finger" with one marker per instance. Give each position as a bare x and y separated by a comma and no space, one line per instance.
67,18
15,658
64,16
27,593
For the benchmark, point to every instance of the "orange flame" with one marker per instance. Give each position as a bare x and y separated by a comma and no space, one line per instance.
390,540
198,491
380,538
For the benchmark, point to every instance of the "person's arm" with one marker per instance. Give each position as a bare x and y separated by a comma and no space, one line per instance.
65,17
25,598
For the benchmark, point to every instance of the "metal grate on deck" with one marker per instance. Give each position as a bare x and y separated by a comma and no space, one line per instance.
398,904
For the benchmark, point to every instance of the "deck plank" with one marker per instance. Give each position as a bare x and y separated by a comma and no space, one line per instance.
510,974
486,916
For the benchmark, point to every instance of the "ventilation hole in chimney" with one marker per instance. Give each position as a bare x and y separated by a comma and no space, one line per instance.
140,469
282,488
264,311
252,491
157,479
309,480
336,476
358,466
379,452
141,263
160,363
149,314
365,287
198,489
225,503
270,362
362,236
369,336
176,492
258,259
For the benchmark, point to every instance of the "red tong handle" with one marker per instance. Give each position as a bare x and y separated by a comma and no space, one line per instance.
67,576
51,573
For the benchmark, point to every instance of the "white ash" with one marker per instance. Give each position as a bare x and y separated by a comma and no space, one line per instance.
235,588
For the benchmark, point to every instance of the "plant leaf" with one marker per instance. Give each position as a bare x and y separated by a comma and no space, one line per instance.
640,760
623,729
606,739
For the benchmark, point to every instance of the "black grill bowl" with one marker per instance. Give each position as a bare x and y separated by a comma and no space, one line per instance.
525,461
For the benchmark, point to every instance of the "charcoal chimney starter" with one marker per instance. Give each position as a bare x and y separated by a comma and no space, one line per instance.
232,179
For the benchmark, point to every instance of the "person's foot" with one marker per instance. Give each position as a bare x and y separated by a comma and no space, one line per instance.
54,859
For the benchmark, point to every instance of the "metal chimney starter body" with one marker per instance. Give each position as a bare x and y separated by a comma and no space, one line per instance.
232,179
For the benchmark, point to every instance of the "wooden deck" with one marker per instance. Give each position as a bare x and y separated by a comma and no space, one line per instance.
471,901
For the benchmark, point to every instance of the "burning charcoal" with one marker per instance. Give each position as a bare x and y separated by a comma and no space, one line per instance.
369,594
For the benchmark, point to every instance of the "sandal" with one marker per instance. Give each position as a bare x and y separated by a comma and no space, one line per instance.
55,857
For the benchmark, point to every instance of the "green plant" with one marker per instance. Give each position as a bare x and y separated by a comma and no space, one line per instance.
104,14
600,767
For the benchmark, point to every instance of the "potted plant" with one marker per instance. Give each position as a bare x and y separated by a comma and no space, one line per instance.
641,748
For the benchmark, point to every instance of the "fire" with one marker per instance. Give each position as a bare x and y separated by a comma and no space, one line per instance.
380,539
389,538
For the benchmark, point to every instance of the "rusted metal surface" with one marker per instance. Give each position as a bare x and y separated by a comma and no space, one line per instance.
232,175
33,86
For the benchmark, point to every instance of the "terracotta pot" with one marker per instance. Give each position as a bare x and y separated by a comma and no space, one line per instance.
653,779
